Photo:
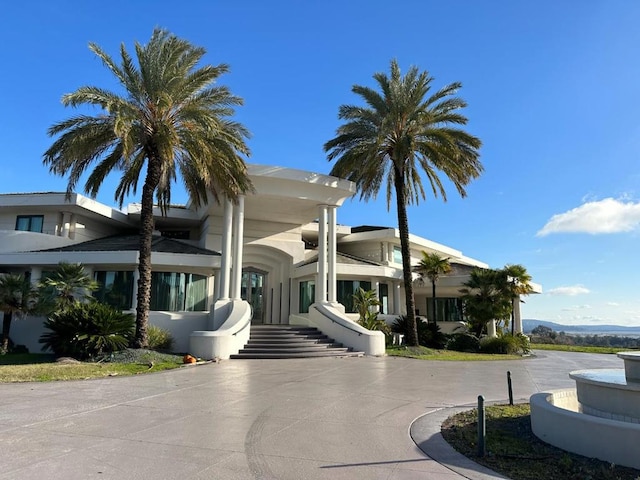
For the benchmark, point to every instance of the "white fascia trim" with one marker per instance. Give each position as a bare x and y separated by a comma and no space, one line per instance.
286,173
53,258
60,201
174,260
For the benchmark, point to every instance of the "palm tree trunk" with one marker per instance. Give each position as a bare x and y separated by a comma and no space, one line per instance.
144,265
403,227
6,327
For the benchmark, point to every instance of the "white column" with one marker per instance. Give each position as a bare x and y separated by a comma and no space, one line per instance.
333,278
134,296
491,329
225,261
397,309
238,240
376,288
66,224
321,283
35,275
517,318
216,285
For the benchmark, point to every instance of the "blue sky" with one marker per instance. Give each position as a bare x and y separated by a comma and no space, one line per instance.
552,86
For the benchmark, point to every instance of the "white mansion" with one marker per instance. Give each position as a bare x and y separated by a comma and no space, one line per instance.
277,257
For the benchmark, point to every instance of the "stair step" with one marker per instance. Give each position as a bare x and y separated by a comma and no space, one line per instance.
278,355
287,341
294,347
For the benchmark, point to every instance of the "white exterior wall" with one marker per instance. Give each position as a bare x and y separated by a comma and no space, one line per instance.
365,250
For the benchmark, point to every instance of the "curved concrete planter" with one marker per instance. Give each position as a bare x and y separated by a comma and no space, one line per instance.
556,419
599,419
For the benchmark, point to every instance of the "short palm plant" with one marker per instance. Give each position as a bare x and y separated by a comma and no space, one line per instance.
365,302
431,266
87,330
67,284
17,298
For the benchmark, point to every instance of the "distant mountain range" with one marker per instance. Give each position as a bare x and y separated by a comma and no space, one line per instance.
529,324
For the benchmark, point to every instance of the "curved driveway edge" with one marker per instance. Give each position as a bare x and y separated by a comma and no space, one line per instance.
425,432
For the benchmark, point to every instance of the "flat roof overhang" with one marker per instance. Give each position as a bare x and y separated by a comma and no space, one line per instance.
282,195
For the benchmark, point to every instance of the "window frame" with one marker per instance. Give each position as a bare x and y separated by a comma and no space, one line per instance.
30,220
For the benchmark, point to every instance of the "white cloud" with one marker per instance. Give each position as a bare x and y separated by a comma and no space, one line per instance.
595,217
571,290
575,307
613,304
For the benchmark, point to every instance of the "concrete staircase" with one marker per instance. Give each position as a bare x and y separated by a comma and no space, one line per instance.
290,341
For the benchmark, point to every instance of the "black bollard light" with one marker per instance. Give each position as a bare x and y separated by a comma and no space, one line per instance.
509,386
482,429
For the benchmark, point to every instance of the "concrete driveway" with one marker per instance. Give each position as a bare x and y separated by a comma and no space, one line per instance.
344,418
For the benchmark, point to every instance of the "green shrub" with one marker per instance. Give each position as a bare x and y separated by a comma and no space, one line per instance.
463,342
429,334
87,330
505,344
159,338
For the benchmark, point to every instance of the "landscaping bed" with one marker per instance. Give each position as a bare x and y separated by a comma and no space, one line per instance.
514,451
424,353
44,368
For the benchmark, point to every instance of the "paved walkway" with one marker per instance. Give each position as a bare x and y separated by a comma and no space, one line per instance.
348,418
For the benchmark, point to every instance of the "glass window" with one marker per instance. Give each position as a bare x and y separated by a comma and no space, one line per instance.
447,310
115,289
30,223
176,292
307,295
346,289
383,288
397,255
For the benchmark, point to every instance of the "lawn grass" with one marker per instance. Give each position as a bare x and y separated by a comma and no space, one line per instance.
514,451
424,353
577,348
28,367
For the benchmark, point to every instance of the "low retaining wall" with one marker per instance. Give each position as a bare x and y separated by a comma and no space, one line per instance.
227,340
556,418
335,324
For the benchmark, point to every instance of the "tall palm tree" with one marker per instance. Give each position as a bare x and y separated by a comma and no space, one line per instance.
17,298
431,266
517,283
169,119
403,134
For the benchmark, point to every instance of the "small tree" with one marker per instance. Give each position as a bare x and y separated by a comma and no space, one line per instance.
517,283
68,284
431,266
17,298
484,299
364,301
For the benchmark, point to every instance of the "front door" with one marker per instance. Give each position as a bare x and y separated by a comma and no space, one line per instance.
253,285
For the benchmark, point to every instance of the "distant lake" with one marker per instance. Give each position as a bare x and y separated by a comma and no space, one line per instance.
604,333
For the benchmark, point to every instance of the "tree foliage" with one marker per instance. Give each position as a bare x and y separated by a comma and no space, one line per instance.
432,266
169,120
489,294
18,298
366,303
67,284
485,299
87,330
405,134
